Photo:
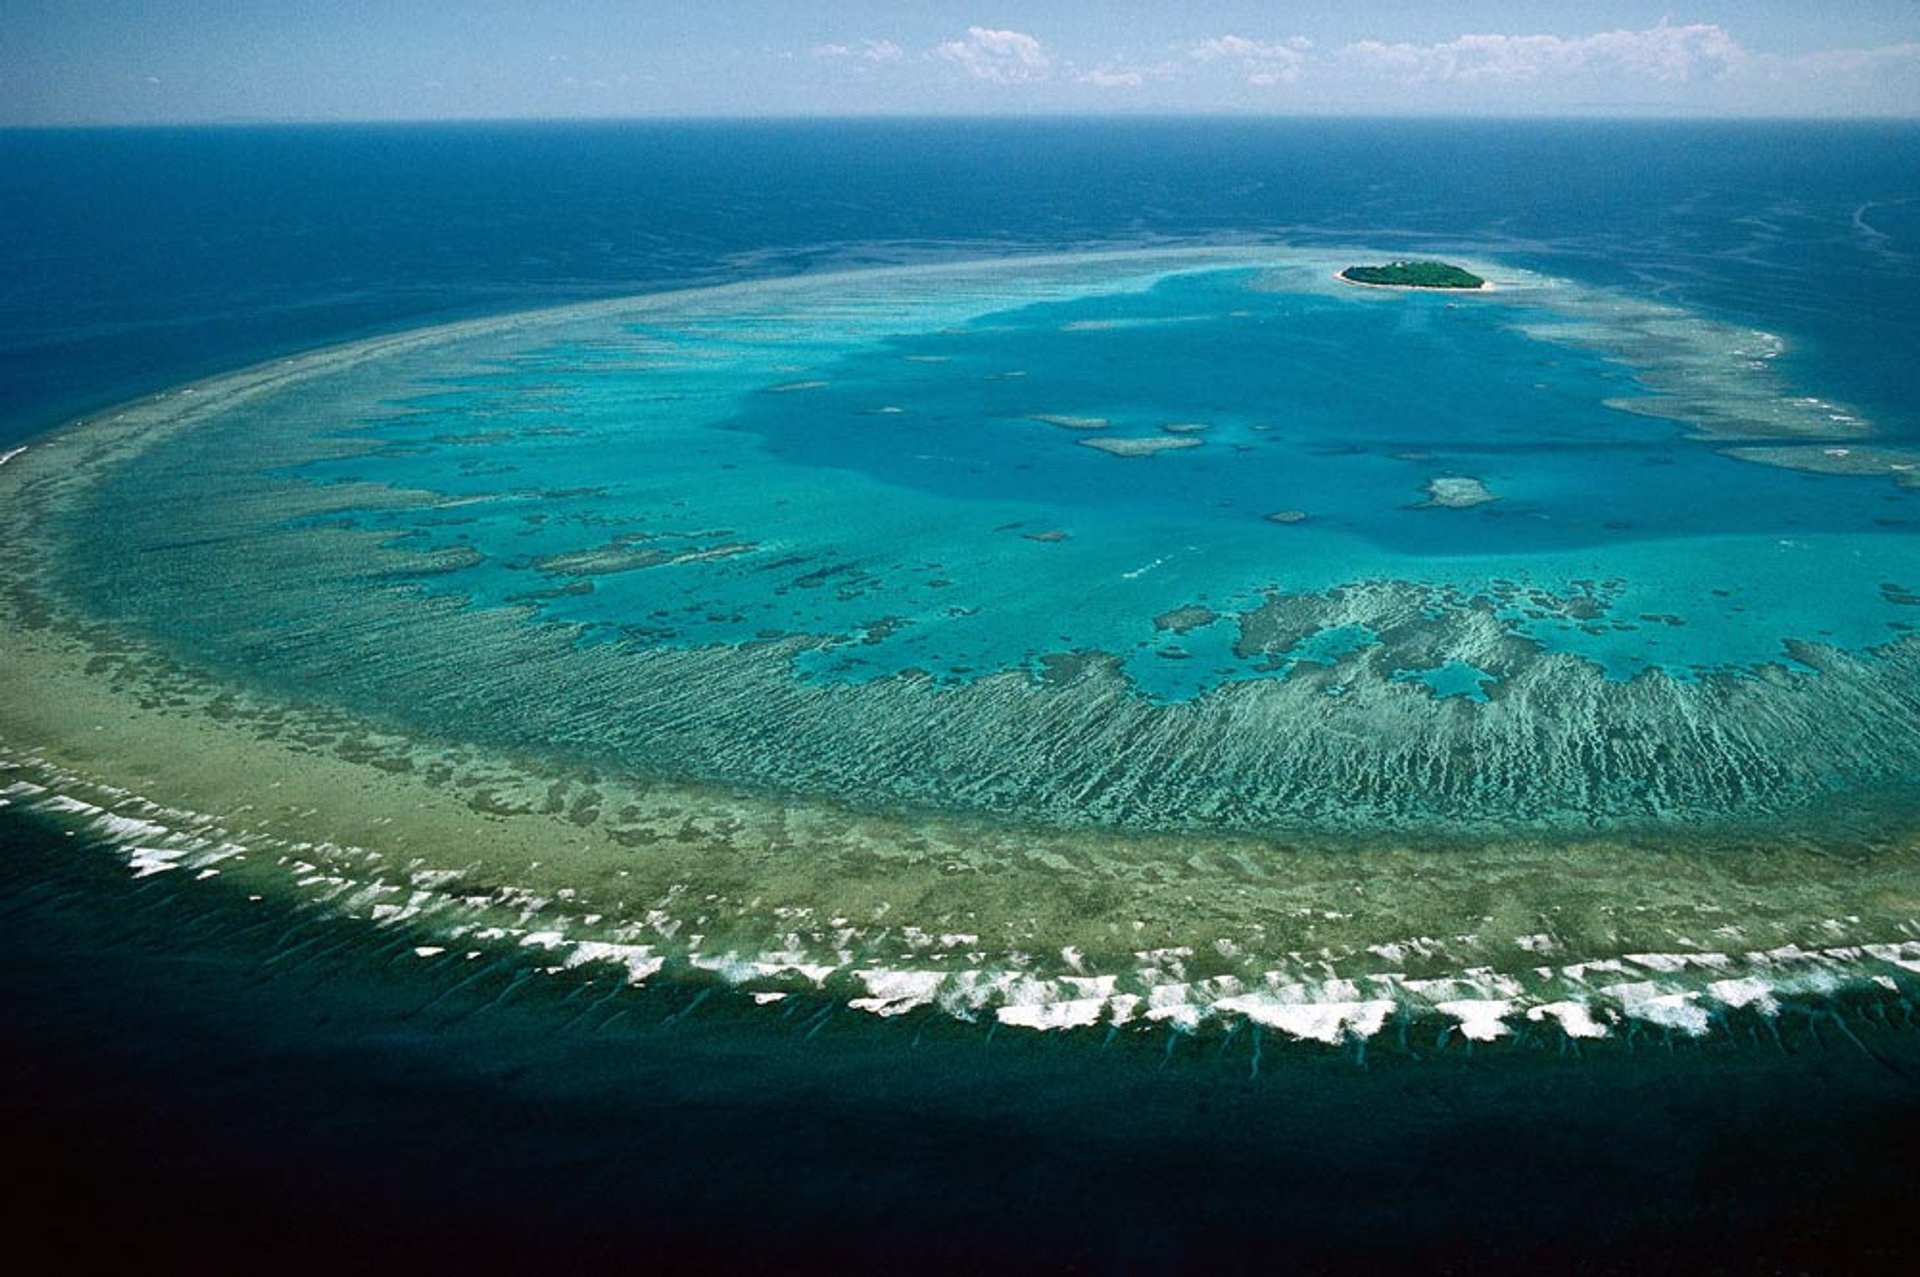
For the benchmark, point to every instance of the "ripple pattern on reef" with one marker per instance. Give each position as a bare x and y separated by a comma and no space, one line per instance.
1345,746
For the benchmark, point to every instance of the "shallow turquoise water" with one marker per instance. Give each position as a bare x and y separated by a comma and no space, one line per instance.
903,495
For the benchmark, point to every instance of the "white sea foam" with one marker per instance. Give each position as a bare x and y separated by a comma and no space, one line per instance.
1480,1019
970,992
1479,982
640,960
1575,1017
365,901
792,963
1330,1022
1666,963
1579,971
894,993
1749,991
147,861
1900,955
1068,1003
1654,1004
1074,1013
127,827
1172,1004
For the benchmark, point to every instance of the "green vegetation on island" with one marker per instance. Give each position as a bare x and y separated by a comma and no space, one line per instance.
1413,275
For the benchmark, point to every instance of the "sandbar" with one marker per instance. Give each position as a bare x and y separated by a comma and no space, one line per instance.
1067,422
1457,492
1141,447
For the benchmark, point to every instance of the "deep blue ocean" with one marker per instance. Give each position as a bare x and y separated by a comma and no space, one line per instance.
161,1065
138,258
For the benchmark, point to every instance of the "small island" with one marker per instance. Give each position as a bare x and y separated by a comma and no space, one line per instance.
1413,275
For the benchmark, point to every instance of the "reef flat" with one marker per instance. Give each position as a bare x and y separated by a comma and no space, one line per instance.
556,634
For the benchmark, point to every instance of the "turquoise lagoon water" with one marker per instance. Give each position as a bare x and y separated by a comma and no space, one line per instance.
938,443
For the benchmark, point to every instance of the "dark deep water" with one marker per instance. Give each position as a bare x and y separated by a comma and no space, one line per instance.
185,1078
229,1108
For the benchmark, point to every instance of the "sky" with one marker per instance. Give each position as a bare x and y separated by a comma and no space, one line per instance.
180,61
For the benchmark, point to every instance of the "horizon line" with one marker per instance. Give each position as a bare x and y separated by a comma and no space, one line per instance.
1594,116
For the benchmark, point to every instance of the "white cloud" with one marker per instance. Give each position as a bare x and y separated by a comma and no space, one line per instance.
865,51
1890,57
1667,54
1261,61
1671,66
1002,57
1126,77
1874,81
